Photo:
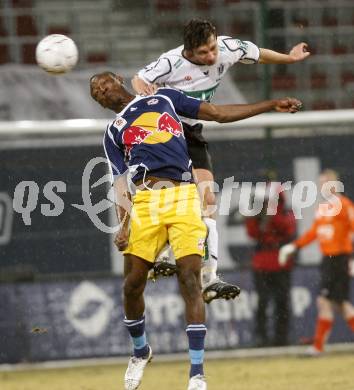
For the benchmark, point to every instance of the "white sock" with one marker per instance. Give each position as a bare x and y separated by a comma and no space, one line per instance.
210,263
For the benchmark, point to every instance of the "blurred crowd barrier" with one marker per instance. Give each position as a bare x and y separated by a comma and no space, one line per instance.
29,93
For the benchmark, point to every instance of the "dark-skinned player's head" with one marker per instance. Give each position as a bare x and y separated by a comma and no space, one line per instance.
108,90
200,44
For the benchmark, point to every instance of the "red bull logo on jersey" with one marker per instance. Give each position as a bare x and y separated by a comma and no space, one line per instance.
151,128
168,123
134,135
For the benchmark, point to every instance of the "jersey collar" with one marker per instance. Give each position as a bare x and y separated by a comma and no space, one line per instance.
194,63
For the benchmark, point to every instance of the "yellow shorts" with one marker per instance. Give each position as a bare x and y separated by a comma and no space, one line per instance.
170,214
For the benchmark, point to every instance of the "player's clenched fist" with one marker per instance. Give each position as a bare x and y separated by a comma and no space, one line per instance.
121,240
288,105
299,52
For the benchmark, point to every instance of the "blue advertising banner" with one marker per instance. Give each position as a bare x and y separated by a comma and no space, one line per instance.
80,319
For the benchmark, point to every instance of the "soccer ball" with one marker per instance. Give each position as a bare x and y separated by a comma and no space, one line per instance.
56,54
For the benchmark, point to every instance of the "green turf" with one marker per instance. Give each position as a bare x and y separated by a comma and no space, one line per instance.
334,372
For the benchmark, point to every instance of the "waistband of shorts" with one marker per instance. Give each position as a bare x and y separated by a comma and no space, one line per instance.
190,191
158,183
338,256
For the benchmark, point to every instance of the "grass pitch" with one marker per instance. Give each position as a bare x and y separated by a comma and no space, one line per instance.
287,373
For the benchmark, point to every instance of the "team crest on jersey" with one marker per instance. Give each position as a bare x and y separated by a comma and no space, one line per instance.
151,102
221,68
119,123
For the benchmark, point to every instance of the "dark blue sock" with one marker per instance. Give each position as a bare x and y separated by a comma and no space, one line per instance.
196,336
136,328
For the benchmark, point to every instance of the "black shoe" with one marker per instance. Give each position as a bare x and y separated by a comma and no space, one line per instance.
217,289
162,268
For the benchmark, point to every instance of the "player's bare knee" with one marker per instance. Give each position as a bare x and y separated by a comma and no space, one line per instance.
189,282
347,310
322,302
324,307
133,288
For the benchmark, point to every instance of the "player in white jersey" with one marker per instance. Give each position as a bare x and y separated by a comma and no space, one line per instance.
196,68
198,80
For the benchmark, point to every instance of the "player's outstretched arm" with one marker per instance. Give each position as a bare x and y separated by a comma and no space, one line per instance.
298,53
143,88
235,112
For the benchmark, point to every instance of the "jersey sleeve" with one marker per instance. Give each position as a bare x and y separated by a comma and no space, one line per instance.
241,51
350,214
307,237
114,155
351,217
157,72
184,105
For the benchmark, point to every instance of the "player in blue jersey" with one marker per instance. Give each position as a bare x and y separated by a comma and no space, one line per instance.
196,68
147,140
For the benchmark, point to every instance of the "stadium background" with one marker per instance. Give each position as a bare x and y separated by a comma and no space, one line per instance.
60,283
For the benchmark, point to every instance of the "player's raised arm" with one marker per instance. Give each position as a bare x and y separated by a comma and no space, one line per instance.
298,53
235,112
289,249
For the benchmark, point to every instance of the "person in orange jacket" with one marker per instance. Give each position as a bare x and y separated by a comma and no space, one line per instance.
332,228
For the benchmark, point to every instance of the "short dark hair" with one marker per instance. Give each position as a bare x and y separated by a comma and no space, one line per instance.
197,32
97,78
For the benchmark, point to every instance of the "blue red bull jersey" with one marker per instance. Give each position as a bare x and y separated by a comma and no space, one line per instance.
147,138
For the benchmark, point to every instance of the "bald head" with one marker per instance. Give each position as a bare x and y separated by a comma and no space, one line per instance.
326,176
108,90
330,175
